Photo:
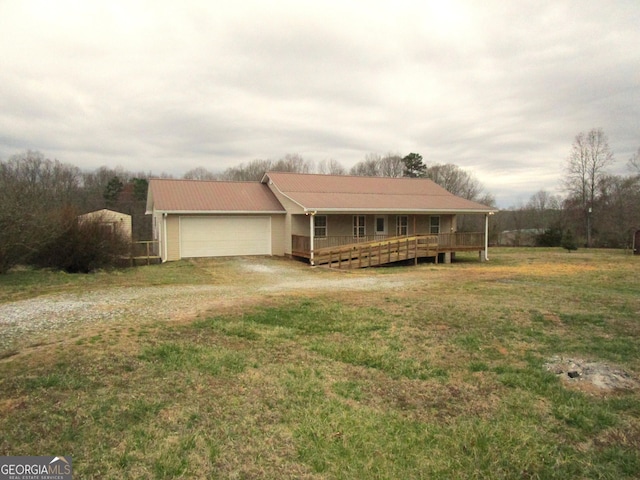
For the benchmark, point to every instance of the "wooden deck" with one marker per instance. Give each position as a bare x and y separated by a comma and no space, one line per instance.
380,251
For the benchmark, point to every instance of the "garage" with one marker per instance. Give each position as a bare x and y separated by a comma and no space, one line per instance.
221,236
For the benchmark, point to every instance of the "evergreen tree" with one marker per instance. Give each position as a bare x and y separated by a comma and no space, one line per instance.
414,166
568,242
112,190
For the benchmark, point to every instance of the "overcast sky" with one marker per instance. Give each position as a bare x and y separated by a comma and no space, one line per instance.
499,88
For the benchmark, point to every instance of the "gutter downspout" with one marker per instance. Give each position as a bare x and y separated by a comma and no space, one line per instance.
164,237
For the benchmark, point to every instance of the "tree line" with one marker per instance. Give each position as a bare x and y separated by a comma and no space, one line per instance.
39,196
598,209
40,200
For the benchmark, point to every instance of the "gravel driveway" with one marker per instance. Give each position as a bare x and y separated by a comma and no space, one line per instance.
35,318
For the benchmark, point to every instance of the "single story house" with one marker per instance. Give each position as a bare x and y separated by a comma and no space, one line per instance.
308,215
114,222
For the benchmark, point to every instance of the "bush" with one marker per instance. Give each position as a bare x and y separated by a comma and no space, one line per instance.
568,242
83,246
552,237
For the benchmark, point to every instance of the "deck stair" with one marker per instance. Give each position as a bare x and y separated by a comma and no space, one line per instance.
378,252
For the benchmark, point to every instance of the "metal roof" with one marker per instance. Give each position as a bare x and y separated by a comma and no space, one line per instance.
328,193
201,196
353,193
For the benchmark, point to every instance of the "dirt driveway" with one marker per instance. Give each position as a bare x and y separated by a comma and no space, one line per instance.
27,321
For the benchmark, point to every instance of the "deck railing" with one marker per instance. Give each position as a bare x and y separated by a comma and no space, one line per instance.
145,251
301,244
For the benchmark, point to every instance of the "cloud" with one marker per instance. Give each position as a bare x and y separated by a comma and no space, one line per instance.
498,88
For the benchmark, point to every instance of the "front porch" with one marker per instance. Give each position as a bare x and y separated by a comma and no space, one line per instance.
371,250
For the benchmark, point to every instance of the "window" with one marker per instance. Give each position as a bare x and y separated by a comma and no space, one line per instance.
358,226
402,225
381,225
434,225
320,226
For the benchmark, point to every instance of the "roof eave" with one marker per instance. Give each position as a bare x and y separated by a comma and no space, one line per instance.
219,212
393,210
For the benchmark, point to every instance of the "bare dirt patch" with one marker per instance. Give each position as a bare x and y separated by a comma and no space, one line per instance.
591,376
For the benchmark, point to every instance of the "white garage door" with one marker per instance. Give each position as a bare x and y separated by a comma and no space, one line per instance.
224,236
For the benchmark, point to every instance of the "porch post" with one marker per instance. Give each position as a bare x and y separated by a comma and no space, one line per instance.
486,237
312,228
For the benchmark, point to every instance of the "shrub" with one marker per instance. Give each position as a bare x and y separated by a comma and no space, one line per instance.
83,246
551,237
568,242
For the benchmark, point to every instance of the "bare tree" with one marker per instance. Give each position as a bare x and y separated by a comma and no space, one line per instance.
544,210
293,163
620,196
391,165
33,190
634,163
252,171
330,167
200,173
255,170
366,168
586,166
455,180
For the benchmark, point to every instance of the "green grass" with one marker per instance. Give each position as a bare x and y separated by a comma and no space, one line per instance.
445,379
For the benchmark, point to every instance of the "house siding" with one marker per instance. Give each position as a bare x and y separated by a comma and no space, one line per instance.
173,237
291,222
278,236
342,225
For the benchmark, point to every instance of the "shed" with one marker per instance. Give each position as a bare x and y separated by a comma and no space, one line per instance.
116,221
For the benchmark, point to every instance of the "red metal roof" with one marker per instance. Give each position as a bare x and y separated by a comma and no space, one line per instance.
170,195
311,192
351,193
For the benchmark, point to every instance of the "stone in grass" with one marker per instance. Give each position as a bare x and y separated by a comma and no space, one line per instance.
573,374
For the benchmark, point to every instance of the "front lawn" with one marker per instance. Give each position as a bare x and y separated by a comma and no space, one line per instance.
446,378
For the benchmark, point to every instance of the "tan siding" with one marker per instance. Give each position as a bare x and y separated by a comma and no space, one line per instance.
291,220
288,205
300,225
340,225
446,224
278,236
120,221
173,237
